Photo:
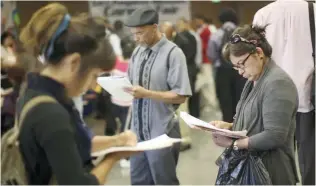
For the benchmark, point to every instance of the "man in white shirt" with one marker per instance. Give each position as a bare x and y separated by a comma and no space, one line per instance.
114,39
198,57
288,32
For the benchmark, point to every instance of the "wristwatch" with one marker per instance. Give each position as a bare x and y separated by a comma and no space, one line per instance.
235,147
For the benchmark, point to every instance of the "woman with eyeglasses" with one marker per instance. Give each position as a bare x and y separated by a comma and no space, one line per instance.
267,106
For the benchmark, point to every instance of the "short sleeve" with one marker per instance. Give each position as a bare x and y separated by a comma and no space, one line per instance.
178,79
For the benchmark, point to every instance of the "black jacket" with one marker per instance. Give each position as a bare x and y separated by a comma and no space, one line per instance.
53,139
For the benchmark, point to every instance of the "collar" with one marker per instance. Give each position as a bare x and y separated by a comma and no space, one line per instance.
49,86
159,44
266,68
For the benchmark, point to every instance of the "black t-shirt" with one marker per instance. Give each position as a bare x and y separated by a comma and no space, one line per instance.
187,43
50,140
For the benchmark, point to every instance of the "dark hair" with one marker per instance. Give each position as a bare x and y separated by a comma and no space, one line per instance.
228,15
80,35
118,25
128,47
256,34
5,35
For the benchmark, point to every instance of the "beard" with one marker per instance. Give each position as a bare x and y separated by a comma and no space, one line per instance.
148,41
143,44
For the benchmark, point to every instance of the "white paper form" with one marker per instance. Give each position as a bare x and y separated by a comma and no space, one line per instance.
192,121
159,142
115,86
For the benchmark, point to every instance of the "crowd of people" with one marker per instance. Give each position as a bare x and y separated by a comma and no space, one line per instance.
246,76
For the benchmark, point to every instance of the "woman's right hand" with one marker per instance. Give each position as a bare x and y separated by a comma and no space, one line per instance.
222,124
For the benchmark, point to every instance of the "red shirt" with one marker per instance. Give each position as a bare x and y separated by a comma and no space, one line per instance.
205,35
121,65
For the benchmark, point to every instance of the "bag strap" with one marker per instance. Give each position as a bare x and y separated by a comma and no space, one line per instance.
312,26
168,62
26,108
168,57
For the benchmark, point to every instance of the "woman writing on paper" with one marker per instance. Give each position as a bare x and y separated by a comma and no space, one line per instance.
53,141
267,106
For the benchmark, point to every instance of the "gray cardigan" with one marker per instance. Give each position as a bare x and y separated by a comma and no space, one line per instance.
267,111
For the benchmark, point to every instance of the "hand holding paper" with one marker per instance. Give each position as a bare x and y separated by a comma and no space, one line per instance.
196,123
159,142
116,86
137,91
222,124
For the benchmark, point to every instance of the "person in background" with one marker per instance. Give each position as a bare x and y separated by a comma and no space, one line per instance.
205,34
114,39
8,41
121,109
185,130
267,107
159,75
16,75
289,33
188,44
211,26
198,57
104,106
180,35
122,31
229,84
52,139
8,59
205,81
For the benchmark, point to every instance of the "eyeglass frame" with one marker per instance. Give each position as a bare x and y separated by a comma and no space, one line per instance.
241,65
236,38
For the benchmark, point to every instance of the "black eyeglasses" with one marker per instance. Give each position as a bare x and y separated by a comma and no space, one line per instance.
241,65
236,38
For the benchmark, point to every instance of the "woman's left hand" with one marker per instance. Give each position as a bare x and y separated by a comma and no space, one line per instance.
221,140
129,138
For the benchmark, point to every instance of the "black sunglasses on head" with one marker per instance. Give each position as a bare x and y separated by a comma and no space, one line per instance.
236,38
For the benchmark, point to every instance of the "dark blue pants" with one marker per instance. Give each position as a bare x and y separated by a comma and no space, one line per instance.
157,167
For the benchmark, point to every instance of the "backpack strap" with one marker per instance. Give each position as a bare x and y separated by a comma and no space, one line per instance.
168,63
26,108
